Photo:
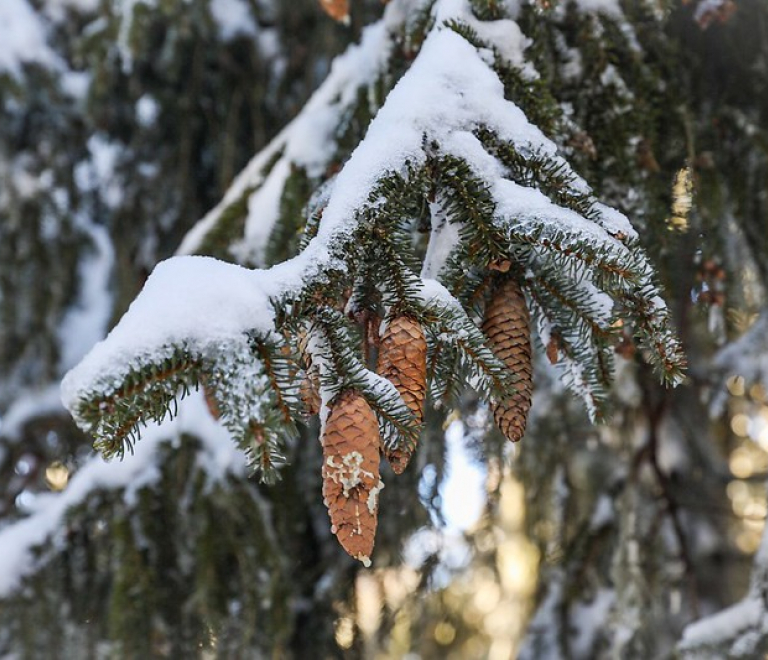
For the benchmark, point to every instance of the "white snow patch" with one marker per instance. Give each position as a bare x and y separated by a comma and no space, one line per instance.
588,620
508,39
443,239
373,497
573,67
434,292
610,77
610,8
23,38
264,209
147,110
126,12
602,514
56,8
349,472
615,222
28,406
75,83
99,172
725,625
233,18
86,322
196,301
706,6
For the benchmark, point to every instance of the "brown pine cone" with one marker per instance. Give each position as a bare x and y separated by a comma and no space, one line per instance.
403,361
309,391
507,327
338,10
210,400
351,482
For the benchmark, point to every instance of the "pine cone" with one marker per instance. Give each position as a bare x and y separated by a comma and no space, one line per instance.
309,391
553,348
338,10
351,482
210,400
403,361
309,388
507,328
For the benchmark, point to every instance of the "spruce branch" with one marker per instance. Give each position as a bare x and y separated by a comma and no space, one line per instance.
253,401
587,318
479,168
281,366
149,391
587,366
610,261
460,356
553,177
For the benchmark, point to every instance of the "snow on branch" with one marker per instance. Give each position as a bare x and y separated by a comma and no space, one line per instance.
24,39
746,357
219,457
738,631
306,142
448,149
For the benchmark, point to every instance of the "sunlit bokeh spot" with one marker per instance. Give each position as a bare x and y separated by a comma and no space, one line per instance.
57,476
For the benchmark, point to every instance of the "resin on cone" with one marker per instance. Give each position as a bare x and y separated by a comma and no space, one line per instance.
507,326
403,361
351,482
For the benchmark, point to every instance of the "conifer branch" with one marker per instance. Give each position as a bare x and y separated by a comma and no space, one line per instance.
460,355
148,392
281,366
507,200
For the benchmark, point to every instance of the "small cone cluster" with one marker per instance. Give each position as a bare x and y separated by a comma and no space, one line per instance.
403,361
507,326
351,482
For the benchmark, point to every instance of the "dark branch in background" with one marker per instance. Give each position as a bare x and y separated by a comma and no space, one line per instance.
655,412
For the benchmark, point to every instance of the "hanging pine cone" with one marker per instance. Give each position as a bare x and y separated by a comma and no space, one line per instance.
309,388
507,327
309,391
403,361
351,482
338,10
210,400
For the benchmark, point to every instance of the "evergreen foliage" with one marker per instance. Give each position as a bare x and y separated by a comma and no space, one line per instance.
446,152
509,199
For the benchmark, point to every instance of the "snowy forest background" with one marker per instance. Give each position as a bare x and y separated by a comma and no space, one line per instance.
125,123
